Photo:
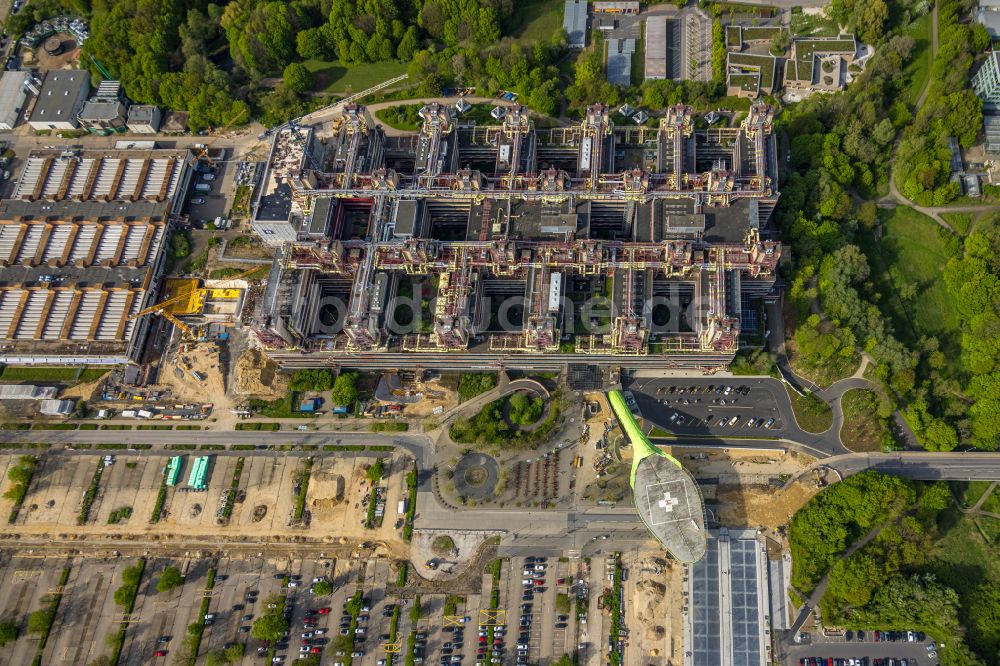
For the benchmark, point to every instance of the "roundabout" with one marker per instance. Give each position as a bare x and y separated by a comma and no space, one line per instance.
476,476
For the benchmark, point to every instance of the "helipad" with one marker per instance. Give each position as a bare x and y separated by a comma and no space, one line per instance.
666,496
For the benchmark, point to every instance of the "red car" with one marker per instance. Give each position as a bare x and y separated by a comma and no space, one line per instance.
316,650
160,653
539,583
324,611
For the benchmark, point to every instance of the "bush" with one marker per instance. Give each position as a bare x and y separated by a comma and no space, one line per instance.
8,633
472,384
317,379
322,588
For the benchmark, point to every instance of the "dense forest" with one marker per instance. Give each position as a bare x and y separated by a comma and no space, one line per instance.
841,147
926,567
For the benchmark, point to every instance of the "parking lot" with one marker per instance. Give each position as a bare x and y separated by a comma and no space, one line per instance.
215,202
733,407
87,613
25,581
866,650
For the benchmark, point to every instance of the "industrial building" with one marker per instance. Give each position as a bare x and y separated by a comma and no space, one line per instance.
988,15
82,242
60,99
600,243
620,61
575,23
13,98
679,48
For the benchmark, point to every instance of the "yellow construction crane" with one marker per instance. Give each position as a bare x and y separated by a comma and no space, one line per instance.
202,154
161,308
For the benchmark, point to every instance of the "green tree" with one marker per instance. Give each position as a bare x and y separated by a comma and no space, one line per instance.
317,379
216,658
40,621
297,77
170,579
375,471
354,604
322,588
269,627
235,652
345,389
8,633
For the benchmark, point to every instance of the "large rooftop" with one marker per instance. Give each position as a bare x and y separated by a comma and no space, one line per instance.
102,175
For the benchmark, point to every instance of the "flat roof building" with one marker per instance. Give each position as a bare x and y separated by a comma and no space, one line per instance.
749,74
656,48
60,99
575,23
626,7
144,119
13,98
991,131
727,622
819,63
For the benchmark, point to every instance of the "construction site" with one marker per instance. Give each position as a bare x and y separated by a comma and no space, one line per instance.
596,243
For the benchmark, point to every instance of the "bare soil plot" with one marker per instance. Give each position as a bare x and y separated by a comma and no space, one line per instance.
56,492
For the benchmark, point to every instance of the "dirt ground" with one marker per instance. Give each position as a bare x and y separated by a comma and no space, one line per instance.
203,358
435,395
266,484
749,467
258,377
655,588
68,58
82,391
755,506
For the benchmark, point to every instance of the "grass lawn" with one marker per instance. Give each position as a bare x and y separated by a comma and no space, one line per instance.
334,76
639,58
992,503
536,19
32,373
912,252
812,414
960,222
968,492
403,117
918,68
814,25
862,430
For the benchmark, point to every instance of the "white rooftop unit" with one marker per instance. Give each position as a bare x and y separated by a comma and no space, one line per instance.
555,291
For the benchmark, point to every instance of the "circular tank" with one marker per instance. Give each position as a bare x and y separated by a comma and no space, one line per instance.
53,45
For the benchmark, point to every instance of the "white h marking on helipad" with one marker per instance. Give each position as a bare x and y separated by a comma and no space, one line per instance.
668,503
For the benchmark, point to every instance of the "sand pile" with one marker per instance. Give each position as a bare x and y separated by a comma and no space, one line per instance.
258,377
